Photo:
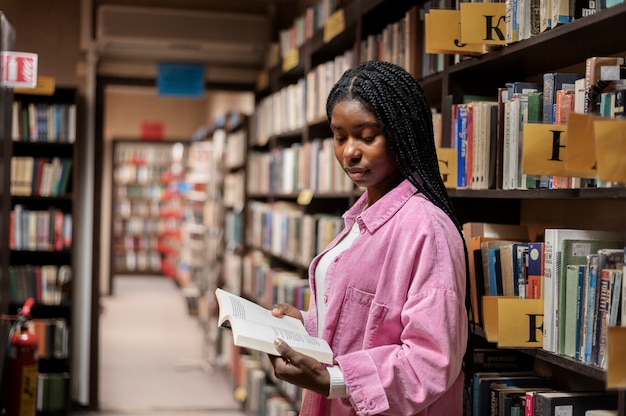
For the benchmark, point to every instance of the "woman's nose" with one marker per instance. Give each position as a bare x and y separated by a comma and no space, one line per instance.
352,150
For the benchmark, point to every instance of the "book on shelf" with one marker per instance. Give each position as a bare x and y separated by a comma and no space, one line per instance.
594,82
534,270
575,309
574,253
492,271
553,82
484,380
503,397
255,327
552,403
553,238
475,233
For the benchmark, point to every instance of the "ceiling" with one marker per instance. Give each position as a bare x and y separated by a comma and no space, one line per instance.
230,37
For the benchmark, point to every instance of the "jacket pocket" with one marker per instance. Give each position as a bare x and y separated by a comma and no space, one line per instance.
360,320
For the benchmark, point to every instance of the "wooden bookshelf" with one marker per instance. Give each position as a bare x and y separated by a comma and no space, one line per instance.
44,136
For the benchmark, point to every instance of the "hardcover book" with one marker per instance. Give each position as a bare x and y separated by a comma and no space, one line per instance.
255,327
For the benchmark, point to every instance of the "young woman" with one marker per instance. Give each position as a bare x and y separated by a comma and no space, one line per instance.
389,292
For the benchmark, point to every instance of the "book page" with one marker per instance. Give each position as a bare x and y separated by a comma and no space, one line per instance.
232,306
254,327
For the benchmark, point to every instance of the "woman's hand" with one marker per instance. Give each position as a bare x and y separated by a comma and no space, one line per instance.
300,369
281,309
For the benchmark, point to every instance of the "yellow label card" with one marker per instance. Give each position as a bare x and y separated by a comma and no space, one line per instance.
335,24
483,23
490,316
544,149
581,150
520,323
447,166
616,350
611,149
291,60
443,33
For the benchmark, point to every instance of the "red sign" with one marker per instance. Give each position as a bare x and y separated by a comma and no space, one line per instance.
152,130
19,69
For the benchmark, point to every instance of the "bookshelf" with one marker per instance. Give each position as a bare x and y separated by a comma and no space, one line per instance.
7,36
286,126
147,207
42,183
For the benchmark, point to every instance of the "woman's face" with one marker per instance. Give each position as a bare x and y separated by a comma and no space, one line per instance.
361,149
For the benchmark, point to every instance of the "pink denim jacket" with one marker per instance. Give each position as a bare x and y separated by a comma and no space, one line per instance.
396,317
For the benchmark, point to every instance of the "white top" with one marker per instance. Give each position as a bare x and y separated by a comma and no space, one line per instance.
337,383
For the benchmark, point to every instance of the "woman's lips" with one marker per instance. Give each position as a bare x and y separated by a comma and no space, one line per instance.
356,173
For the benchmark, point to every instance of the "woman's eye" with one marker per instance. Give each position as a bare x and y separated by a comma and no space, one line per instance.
368,138
339,139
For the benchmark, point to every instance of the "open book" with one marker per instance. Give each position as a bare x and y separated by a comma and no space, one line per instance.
255,327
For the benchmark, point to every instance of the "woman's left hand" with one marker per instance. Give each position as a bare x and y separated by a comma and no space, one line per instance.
300,369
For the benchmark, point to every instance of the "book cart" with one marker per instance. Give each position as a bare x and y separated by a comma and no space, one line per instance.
295,129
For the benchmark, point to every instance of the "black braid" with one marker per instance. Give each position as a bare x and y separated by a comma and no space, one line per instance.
404,115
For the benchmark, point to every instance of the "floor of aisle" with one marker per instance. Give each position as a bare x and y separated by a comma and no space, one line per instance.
151,355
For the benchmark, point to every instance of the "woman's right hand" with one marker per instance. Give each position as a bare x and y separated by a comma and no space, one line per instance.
281,309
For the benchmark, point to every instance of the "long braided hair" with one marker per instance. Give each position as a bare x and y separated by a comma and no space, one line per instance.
404,115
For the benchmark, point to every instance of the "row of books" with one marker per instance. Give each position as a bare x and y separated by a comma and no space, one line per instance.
528,18
49,230
488,132
140,260
40,176
304,101
525,393
43,122
578,274
262,397
270,285
310,165
52,337
314,18
281,228
45,284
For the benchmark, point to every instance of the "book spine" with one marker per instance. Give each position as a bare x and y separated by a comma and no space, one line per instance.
590,310
548,97
580,307
549,291
461,145
604,305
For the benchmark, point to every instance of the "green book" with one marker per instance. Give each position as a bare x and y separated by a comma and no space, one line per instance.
535,107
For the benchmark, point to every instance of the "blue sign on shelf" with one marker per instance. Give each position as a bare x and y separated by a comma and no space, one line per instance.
181,80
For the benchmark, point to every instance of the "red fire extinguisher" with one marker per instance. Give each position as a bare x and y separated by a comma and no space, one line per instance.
21,366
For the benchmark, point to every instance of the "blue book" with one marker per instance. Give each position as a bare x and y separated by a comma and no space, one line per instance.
580,307
495,272
461,145
590,308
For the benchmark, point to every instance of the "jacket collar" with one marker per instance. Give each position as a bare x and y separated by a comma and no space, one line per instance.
385,208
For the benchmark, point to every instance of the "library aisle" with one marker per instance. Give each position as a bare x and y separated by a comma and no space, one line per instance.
151,355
